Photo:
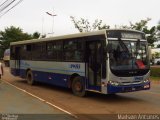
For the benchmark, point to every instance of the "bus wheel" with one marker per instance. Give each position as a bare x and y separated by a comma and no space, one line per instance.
78,87
29,77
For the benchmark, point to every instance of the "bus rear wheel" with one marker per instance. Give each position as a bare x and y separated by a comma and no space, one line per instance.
78,87
29,78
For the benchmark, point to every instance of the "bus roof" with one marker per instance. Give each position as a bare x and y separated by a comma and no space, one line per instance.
77,35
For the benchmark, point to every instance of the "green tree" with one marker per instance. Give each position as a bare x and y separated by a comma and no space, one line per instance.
151,33
13,34
158,30
36,35
157,54
83,25
158,46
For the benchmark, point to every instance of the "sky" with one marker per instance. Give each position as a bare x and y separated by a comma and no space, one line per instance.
30,15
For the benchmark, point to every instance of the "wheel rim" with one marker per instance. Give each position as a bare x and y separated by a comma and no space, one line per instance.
78,86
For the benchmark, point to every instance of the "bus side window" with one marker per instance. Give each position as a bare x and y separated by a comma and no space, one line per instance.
77,55
59,50
69,50
25,52
73,51
39,51
50,50
80,50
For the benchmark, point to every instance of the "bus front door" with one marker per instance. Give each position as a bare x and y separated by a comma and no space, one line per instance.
17,61
94,63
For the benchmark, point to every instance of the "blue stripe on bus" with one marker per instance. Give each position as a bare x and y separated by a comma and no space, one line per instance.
45,77
24,67
51,78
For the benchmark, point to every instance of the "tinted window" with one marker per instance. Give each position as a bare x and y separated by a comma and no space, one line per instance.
39,51
54,50
73,50
25,52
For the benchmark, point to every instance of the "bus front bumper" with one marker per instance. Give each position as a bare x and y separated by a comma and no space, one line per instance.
127,88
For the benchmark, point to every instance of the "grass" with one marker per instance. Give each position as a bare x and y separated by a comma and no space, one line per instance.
155,73
155,78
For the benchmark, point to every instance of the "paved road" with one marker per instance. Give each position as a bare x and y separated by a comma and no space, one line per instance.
17,103
94,106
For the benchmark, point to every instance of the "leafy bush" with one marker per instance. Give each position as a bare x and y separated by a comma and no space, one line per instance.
155,71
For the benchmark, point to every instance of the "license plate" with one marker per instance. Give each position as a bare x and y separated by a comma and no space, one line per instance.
138,78
133,89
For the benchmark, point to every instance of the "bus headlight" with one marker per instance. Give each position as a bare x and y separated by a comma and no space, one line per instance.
114,83
145,81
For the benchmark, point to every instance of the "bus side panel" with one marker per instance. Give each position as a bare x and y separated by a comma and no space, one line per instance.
56,73
51,78
14,69
22,73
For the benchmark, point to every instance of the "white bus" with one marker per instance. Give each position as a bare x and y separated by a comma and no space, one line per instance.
6,57
105,61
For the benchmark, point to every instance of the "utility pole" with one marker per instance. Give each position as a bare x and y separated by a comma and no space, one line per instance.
42,26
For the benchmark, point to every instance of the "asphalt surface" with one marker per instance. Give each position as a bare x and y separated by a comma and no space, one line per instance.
17,104
94,106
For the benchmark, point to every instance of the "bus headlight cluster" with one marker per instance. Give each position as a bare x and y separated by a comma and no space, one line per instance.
145,81
114,83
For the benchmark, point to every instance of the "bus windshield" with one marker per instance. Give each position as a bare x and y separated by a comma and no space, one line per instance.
128,55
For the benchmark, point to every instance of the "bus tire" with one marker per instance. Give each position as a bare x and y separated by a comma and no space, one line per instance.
29,77
78,87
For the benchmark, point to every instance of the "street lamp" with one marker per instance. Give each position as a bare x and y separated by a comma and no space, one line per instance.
52,15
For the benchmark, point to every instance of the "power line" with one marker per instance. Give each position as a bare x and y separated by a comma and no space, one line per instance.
3,3
11,8
3,8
